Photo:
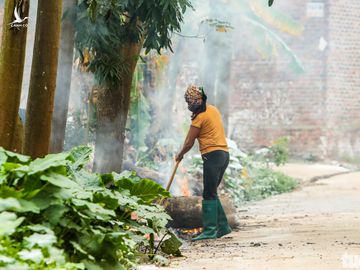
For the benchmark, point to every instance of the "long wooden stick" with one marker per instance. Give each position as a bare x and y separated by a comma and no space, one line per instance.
161,202
172,176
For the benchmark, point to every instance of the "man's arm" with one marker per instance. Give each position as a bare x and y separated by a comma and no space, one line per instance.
189,142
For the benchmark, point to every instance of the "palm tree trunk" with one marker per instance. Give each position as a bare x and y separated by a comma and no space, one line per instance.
12,60
63,82
43,79
112,111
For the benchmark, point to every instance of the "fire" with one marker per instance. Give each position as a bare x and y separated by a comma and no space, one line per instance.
192,231
184,185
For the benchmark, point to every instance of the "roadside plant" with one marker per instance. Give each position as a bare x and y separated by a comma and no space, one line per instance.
249,175
54,214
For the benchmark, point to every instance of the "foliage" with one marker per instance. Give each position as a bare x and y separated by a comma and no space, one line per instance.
103,26
280,151
54,214
263,182
248,176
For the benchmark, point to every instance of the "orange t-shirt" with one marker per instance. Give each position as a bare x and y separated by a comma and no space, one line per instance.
212,133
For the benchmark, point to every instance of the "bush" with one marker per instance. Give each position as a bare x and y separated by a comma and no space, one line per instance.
248,176
54,214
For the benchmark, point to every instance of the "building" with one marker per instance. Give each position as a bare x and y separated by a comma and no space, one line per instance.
318,110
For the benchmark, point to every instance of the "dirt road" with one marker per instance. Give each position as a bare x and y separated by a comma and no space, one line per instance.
314,227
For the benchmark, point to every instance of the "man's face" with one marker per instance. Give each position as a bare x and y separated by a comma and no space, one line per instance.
193,105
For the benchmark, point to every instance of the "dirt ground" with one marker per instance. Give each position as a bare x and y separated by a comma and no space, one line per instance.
315,227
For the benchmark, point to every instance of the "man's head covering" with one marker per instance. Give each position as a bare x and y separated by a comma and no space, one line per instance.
194,94
196,100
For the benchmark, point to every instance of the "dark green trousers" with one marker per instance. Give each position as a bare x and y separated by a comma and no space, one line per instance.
215,164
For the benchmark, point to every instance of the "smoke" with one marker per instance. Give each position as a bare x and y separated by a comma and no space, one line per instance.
214,36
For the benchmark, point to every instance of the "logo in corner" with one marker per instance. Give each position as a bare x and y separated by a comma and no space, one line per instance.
18,22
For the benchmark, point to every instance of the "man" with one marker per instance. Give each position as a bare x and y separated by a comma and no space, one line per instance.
207,127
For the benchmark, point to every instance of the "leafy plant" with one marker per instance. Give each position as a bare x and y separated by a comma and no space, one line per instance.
248,176
280,151
56,215
104,25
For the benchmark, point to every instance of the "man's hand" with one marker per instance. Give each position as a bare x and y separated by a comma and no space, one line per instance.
179,157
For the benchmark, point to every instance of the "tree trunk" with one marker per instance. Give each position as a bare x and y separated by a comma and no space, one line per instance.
12,60
63,81
43,79
112,111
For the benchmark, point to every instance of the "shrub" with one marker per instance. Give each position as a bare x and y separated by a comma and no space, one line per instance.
54,214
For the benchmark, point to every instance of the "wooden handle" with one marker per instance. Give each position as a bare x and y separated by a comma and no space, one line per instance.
172,176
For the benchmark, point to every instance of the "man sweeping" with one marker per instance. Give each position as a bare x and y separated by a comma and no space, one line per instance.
207,127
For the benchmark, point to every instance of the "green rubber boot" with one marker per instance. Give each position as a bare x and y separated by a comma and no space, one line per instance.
222,222
209,215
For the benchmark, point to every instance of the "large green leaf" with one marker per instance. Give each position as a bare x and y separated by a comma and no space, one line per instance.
34,255
145,189
40,240
55,213
9,222
13,157
9,204
171,246
59,180
50,161
18,205
80,156
95,209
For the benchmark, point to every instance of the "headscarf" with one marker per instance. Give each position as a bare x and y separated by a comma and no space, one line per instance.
196,100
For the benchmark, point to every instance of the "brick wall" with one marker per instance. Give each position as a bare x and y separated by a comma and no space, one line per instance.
343,79
268,100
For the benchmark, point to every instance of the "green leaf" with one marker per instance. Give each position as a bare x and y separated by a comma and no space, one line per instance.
145,189
171,246
14,157
28,206
9,222
57,256
18,205
101,212
80,156
6,260
3,156
40,240
3,177
34,255
9,204
86,179
55,212
59,180
50,161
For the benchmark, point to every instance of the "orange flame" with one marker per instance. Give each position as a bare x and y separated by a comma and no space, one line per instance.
184,182
192,231
185,190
